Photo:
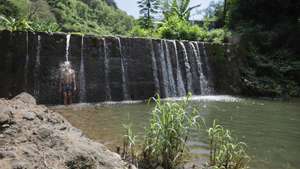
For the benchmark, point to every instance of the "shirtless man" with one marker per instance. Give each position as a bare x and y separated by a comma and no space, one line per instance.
67,82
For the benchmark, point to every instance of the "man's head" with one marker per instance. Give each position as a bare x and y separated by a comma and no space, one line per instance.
66,66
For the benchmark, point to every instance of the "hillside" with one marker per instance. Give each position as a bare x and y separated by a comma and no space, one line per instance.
86,16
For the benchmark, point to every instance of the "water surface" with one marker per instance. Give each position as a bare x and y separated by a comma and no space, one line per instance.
270,128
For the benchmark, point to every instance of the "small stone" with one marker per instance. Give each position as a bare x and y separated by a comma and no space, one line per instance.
44,132
5,117
29,116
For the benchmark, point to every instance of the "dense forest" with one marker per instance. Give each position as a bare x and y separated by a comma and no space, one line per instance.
84,16
268,34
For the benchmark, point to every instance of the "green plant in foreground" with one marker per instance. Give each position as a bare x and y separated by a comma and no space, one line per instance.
129,143
168,132
225,151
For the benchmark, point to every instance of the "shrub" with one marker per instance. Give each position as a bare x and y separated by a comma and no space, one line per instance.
225,151
137,31
129,143
166,136
45,27
176,28
13,24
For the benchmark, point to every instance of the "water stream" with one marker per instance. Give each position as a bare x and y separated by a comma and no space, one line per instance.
82,89
189,79
106,71
67,46
124,72
179,82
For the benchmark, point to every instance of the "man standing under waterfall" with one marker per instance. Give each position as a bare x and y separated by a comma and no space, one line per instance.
67,82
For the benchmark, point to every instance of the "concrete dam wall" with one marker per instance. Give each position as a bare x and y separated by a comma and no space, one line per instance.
114,68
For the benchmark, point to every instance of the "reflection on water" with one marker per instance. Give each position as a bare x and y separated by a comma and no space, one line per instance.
270,128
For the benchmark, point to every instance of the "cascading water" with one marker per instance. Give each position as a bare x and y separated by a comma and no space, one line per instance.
124,72
106,71
202,78
171,86
154,67
67,46
189,79
82,91
37,68
165,79
208,90
179,82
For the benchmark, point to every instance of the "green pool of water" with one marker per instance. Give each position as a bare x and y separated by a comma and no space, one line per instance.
271,129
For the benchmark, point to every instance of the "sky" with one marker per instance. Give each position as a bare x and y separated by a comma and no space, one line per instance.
130,6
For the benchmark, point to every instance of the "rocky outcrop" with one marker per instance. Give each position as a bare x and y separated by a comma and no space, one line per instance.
34,137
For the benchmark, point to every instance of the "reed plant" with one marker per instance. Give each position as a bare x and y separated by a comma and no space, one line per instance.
165,142
129,152
225,151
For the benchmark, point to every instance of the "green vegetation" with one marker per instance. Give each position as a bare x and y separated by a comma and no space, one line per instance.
148,8
269,34
225,151
166,137
85,16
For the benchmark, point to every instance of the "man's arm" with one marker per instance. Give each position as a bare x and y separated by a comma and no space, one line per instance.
60,83
74,80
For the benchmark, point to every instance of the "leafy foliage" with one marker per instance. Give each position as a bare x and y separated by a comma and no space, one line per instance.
86,16
129,145
176,28
181,9
15,25
168,132
225,151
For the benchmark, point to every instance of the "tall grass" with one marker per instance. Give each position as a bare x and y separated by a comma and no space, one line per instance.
167,134
225,151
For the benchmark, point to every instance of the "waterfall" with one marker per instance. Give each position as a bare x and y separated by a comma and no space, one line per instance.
202,78
67,46
155,70
171,87
207,89
36,91
124,72
189,79
82,91
210,90
26,63
162,60
180,85
106,71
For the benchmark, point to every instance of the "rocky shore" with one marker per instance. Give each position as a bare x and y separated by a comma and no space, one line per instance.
34,137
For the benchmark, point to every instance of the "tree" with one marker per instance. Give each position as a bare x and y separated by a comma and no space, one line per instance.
148,8
181,9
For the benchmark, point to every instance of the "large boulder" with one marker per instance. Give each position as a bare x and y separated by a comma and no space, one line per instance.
34,137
